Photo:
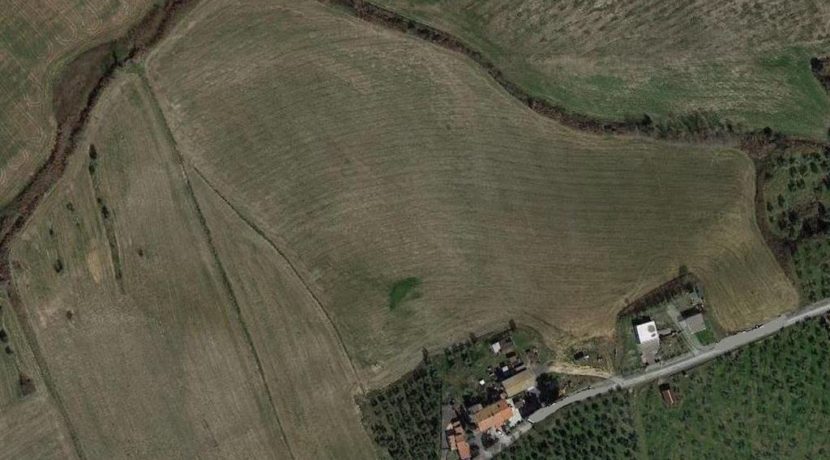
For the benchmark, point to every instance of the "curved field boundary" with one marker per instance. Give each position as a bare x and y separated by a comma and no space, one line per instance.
756,143
74,102
149,31
759,144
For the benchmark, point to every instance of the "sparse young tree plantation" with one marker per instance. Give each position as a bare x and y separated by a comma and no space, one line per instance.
768,400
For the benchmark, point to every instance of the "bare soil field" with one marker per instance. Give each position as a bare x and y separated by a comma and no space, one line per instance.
37,39
128,304
367,157
623,59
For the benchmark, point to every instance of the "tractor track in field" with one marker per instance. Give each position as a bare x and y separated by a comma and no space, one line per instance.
223,273
292,265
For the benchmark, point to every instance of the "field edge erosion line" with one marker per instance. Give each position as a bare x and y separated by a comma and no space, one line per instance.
226,283
296,272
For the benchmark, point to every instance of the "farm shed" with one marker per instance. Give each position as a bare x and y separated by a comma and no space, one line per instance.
520,382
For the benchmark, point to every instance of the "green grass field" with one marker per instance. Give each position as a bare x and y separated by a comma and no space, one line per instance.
767,400
374,157
747,62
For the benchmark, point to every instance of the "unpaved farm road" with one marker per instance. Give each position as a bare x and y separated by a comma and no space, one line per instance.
688,360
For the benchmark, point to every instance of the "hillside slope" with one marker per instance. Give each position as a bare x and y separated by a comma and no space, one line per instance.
368,157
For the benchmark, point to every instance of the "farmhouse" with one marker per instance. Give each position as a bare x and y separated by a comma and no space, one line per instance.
519,383
649,340
647,332
457,440
493,416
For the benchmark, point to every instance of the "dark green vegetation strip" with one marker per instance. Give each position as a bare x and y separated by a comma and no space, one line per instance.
769,400
692,125
615,59
401,290
405,417
107,218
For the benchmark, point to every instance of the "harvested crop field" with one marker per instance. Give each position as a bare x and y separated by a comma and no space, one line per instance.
135,324
667,59
367,157
37,39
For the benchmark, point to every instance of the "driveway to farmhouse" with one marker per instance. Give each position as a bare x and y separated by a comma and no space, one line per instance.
687,360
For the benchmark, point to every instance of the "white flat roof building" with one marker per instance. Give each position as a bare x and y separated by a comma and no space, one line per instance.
496,347
647,332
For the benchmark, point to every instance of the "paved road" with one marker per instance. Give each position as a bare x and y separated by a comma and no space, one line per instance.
688,360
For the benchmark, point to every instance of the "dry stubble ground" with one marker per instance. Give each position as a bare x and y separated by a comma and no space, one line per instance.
367,156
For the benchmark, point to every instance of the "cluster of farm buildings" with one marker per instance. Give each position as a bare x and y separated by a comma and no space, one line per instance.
690,322
484,422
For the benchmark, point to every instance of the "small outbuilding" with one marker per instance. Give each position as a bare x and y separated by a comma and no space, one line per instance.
669,398
496,347
693,319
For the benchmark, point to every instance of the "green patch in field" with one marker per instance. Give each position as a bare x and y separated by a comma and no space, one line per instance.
402,290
